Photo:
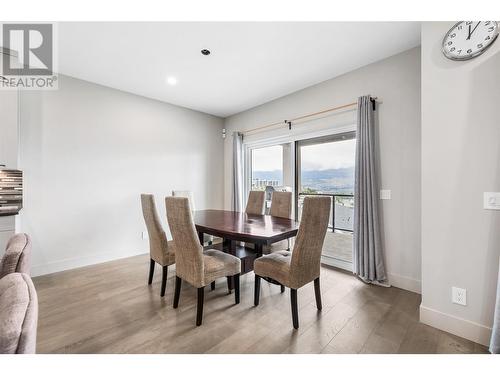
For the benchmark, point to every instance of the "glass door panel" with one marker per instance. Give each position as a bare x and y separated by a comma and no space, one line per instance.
325,166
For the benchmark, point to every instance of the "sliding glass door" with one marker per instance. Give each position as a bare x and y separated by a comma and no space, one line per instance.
325,166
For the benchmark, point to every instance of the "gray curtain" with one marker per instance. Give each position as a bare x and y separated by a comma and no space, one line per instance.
368,252
237,190
495,334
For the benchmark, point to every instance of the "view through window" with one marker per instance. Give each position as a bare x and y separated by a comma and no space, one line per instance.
267,167
326,167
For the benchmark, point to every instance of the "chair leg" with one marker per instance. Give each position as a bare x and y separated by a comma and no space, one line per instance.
212,285
164,281
295,310
256,292
177,294
199,308
282,289
236,288
317,292
151,271
230,285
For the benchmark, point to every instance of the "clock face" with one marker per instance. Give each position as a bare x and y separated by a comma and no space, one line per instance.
468,39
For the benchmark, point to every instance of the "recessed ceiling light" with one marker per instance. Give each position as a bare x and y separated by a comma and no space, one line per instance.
205,52
172,81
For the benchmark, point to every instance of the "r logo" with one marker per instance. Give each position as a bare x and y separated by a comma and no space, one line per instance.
34,43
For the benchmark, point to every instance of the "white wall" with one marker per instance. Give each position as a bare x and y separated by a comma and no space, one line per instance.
8,151
8,129
460,161
87,153
396,81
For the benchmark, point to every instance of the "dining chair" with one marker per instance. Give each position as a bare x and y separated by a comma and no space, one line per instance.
207,239
281,206
161,250
193,265
18,314
17,257
255,203
302,265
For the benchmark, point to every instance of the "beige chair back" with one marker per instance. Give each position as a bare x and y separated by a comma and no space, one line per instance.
306,255
17,257
281,204
185,194
18,314
189,252
255,204
158,244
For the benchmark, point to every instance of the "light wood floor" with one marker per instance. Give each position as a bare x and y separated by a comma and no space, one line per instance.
109,308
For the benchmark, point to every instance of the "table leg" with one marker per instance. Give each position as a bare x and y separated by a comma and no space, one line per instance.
226,244
258,249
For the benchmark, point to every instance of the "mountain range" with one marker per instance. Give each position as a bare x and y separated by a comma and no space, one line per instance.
340,180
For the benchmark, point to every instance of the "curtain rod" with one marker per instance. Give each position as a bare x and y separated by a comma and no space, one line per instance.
289,122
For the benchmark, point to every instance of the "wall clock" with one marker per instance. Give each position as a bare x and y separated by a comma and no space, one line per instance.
468,39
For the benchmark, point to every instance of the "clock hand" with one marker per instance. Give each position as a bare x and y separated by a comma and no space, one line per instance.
468,37
470,34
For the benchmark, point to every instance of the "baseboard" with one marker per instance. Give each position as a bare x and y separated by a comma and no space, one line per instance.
405,283
71,263
457,326
398,281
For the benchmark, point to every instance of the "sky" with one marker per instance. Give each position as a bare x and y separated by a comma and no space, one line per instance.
331,155
267,158
322,156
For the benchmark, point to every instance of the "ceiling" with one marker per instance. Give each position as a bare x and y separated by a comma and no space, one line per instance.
250,63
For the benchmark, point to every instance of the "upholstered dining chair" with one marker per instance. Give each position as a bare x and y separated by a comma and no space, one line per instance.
281,206
193,265
17,257
255,203
302,265
18,314
161,251
207,239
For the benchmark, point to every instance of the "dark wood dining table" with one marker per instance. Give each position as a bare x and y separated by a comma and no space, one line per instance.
236,227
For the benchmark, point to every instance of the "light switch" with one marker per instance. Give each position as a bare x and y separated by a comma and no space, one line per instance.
385,194
492,201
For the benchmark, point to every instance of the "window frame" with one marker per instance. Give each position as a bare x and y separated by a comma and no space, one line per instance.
292,139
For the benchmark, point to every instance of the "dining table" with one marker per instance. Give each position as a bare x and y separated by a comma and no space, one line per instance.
238,229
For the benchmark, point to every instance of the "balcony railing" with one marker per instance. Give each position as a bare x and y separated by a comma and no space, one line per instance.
342,212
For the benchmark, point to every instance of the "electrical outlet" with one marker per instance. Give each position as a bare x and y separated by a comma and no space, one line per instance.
459,296
144,235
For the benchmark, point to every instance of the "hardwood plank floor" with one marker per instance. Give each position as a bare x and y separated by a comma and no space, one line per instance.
109,308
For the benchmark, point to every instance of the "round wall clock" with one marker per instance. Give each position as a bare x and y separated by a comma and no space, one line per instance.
468,39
